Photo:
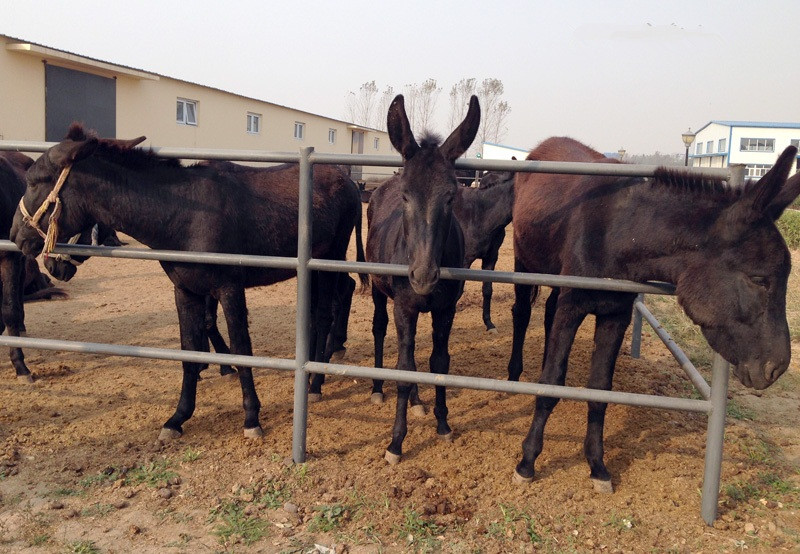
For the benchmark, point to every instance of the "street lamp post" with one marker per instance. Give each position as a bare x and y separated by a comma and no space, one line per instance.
688,139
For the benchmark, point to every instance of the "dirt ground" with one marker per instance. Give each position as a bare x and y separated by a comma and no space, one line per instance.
81,469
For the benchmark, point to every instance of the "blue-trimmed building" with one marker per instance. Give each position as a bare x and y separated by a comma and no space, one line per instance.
756,144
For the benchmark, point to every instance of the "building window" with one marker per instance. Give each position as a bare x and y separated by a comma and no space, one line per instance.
253,123
795,143
187,112
699,148
331,136
723,145
299,130
710,147
757,170
757,145
376,143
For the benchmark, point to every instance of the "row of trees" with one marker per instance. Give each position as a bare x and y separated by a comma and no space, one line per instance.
368,105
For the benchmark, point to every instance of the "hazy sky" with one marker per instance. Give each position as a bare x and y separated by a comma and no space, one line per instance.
612,73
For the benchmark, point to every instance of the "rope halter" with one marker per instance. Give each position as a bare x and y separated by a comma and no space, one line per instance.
33,220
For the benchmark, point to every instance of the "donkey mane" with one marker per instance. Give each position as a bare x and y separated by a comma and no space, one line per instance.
132,158
429,140
686,183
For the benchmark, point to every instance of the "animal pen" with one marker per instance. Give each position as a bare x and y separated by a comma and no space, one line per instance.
714,396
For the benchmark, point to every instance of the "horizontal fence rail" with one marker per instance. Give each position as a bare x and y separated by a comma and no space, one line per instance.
714,396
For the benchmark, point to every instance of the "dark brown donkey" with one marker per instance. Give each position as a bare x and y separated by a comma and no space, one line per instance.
410,219
170,207
718,245
20,277
483,214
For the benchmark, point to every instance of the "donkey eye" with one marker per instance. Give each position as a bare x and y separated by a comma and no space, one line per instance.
760,281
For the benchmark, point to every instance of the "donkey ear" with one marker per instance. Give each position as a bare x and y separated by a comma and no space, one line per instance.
68,151
460,139
124,144
757,199
787,195
400,129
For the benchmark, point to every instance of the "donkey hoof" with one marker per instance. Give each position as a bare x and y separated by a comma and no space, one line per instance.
25,378
314,396
393,459
447,437
168,434
338,356
493,330
520,480
253,433
376,398
604,487
418,410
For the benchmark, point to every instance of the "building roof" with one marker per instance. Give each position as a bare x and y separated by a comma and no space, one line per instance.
762,124
506,147
28,47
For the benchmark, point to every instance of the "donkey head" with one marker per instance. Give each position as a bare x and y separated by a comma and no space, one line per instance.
41,179
736,289
428,187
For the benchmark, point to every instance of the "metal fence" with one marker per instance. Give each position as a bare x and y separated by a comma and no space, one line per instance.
714,396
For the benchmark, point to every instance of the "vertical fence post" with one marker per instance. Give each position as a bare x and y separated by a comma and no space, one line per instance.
303,323
719,403
714,438
636,336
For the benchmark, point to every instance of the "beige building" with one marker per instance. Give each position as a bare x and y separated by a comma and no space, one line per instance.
43,90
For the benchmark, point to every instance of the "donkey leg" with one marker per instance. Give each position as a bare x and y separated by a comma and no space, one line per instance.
405,319
521,315
13,312
549,313
212,331
565,325
380,321
322,322
234,306
342,302
191,317
488,263
440,363
608,335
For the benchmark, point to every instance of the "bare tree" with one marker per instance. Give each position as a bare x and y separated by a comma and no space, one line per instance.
361,105
420,100
494,111
459,100
384,102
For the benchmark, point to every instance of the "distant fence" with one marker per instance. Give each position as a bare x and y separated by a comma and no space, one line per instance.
714,396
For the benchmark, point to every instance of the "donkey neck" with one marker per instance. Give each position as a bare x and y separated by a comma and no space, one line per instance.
143,203
662,232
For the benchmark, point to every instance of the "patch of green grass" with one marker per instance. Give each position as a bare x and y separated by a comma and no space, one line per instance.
328,517
40,539
105,476
419,532
789,226
191,455
81,547
760,451
510,516
97,509
272,494
64,492
688,335
620,523
153,474
775,485
734,410
235,526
